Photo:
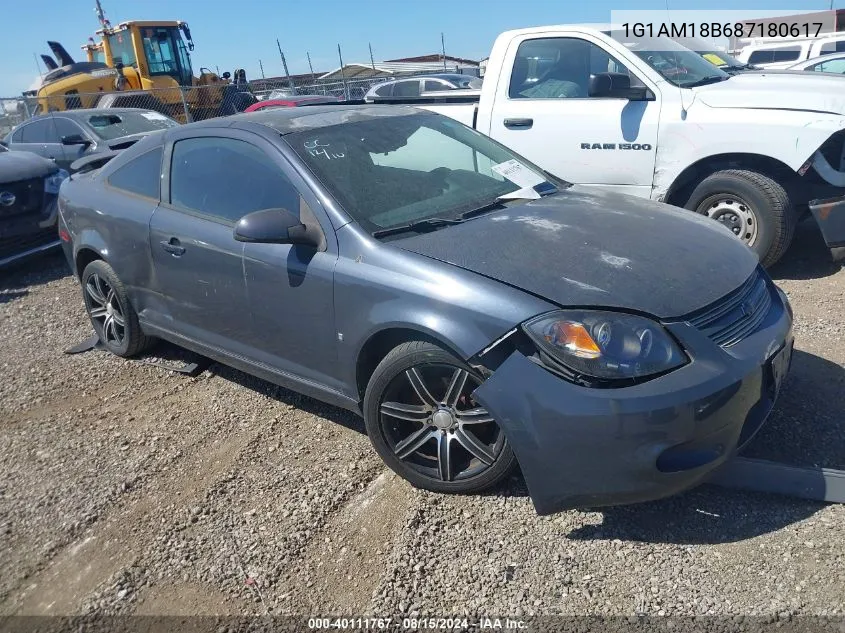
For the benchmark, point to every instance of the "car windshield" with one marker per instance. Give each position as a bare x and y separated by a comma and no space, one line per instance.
675,63
111,126
390,171
718,58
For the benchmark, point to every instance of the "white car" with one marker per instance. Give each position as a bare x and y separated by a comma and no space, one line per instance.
834,63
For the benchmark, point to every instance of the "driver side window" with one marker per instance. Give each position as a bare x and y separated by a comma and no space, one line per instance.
560,68
226,178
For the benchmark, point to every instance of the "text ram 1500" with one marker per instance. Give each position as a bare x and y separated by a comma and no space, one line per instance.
654,119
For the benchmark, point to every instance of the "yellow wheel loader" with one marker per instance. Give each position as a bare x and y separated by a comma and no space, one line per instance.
139,58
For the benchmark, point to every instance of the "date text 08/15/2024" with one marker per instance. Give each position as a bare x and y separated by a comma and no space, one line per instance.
416,624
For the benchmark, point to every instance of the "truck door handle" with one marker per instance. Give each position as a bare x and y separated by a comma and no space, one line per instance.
174,247
518,124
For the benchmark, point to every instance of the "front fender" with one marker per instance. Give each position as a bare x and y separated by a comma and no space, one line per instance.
787,136
379,287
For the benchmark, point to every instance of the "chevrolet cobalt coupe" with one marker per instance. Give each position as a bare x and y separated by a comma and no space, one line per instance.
476,311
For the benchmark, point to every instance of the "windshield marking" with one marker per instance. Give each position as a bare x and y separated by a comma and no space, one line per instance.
541,223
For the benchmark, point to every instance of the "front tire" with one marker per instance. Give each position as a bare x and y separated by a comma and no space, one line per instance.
753,206
112,315
424,424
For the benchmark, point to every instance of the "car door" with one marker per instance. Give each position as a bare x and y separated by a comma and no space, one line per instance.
407,88
542,110
290,287
197,262
829,66
67,127
431,85
40,137
268,303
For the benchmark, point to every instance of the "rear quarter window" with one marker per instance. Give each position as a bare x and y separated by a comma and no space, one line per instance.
140,176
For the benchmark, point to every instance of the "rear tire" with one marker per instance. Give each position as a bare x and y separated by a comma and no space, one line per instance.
112,315
424,424
755,207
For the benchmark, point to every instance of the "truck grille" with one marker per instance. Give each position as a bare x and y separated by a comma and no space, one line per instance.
736,315
29,196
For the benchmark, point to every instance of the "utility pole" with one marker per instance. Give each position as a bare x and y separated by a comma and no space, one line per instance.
311,68
285,66
101,15
261,66
37,65
443,48
343,75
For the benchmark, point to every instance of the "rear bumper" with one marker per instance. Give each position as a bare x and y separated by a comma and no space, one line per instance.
585,447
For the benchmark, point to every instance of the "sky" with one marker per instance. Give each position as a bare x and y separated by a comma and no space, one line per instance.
231,35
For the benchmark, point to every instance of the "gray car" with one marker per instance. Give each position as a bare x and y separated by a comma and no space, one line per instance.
475,310
72,134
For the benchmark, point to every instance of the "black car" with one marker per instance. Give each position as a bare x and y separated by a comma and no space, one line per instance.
29,185
71,134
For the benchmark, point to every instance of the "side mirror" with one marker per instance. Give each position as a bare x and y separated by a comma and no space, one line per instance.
75,139
272,226
616,86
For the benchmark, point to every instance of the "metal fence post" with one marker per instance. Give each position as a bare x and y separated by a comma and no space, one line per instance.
185,105
343,75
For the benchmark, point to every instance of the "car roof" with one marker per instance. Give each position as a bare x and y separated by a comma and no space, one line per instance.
446,76
819,58
83,112
288,120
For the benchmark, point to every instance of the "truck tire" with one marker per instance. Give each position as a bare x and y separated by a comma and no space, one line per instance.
755,207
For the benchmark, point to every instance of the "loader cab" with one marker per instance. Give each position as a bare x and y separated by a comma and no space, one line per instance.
94,53
155,49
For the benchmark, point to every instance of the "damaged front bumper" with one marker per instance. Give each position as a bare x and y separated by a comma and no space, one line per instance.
829,212
830,217
587,447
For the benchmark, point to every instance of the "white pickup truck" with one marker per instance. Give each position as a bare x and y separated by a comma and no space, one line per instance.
656,120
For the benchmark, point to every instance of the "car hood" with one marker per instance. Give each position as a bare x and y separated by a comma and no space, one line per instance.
15,166
810,92
600,250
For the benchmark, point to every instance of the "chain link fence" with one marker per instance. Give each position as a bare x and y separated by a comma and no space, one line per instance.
194,103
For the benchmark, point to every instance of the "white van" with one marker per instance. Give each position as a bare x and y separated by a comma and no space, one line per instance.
782,53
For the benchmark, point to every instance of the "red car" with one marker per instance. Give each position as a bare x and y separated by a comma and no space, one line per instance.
291,102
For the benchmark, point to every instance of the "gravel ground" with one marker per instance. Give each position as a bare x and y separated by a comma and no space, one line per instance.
126,488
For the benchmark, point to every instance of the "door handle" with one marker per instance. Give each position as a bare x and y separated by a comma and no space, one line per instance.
174,247
518,124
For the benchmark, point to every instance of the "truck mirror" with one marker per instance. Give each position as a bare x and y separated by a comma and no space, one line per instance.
616,86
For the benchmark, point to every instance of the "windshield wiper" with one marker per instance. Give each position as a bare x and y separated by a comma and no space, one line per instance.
714,79
419,225
499,203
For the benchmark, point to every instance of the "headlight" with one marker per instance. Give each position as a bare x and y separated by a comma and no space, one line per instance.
606,345
54,181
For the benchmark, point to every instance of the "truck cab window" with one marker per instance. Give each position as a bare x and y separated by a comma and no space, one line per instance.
121,48
558,68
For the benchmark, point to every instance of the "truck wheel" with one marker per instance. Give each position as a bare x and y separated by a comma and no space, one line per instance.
753,206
